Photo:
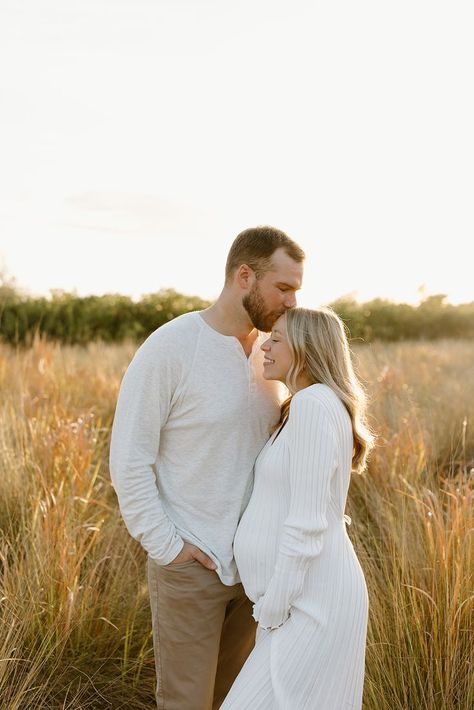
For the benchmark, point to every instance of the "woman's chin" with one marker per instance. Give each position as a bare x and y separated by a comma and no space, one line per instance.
269,375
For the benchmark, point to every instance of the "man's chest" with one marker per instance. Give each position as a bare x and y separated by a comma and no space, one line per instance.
224,393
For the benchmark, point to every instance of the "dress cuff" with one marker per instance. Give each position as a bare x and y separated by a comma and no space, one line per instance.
286,584
269,618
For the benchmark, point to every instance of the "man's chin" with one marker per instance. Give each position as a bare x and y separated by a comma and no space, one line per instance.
262,326
265,326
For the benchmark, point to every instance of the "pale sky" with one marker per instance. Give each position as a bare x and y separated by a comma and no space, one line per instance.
138,137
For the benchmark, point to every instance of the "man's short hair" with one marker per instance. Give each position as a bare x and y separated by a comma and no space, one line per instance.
256,246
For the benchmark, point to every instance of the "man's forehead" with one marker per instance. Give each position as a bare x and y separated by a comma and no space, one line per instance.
286,269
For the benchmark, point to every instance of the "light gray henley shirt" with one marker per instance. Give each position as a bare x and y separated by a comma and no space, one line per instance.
193,413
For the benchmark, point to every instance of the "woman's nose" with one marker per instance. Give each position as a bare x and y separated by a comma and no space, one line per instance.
265,345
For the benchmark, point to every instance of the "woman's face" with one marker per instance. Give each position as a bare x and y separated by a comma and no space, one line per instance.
278,358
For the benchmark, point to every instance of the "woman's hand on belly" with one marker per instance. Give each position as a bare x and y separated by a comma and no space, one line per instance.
269,614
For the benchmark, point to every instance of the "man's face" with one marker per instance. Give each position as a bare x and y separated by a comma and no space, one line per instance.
274,292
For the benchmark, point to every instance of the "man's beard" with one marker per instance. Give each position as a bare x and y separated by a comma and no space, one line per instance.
255,306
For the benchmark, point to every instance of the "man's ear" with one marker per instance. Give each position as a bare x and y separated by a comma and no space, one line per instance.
245,277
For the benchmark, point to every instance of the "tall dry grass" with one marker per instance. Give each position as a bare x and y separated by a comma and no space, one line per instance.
75,623
414,531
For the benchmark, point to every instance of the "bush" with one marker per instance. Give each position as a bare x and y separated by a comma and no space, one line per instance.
70,319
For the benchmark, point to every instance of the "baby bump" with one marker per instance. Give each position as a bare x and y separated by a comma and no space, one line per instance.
255,550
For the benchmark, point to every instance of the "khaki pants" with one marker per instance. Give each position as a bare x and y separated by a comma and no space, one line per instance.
203,632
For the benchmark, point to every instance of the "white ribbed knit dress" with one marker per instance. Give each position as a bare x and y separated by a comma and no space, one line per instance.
298,565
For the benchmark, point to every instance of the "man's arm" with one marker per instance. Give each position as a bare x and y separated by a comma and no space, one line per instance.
143,407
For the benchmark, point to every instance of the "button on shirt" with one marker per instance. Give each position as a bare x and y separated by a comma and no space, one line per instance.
192,415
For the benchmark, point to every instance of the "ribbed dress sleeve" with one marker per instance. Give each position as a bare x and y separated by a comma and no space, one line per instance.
312,463
143,407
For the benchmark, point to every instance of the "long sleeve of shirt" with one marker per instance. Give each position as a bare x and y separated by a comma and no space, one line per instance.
312,457
143,407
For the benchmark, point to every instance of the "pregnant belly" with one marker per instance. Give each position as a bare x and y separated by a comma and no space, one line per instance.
255,550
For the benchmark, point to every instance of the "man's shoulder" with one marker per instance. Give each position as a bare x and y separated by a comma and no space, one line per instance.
177,335
183,325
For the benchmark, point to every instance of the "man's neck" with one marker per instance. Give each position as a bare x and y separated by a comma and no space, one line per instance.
230,319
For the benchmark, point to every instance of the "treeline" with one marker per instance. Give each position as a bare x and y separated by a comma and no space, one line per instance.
78,320
433,319
72,319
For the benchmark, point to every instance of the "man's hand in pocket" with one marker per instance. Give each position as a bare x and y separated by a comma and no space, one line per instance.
191,552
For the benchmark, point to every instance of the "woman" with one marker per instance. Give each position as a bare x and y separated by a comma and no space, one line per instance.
294,556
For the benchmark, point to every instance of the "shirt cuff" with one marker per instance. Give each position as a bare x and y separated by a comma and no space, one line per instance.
171,553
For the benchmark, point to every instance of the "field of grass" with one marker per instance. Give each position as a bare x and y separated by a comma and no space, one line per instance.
74,617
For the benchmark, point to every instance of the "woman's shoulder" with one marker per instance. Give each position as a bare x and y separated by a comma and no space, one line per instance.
318,399
319,394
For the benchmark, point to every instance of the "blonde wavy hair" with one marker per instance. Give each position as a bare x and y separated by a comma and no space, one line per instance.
319,347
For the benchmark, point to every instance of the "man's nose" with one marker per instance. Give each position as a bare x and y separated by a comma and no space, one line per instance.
290,301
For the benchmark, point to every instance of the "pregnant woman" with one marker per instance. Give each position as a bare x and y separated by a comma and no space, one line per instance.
294,556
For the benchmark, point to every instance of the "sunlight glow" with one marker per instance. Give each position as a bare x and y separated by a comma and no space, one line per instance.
138,138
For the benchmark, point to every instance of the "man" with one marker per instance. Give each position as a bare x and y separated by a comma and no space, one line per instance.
192,415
